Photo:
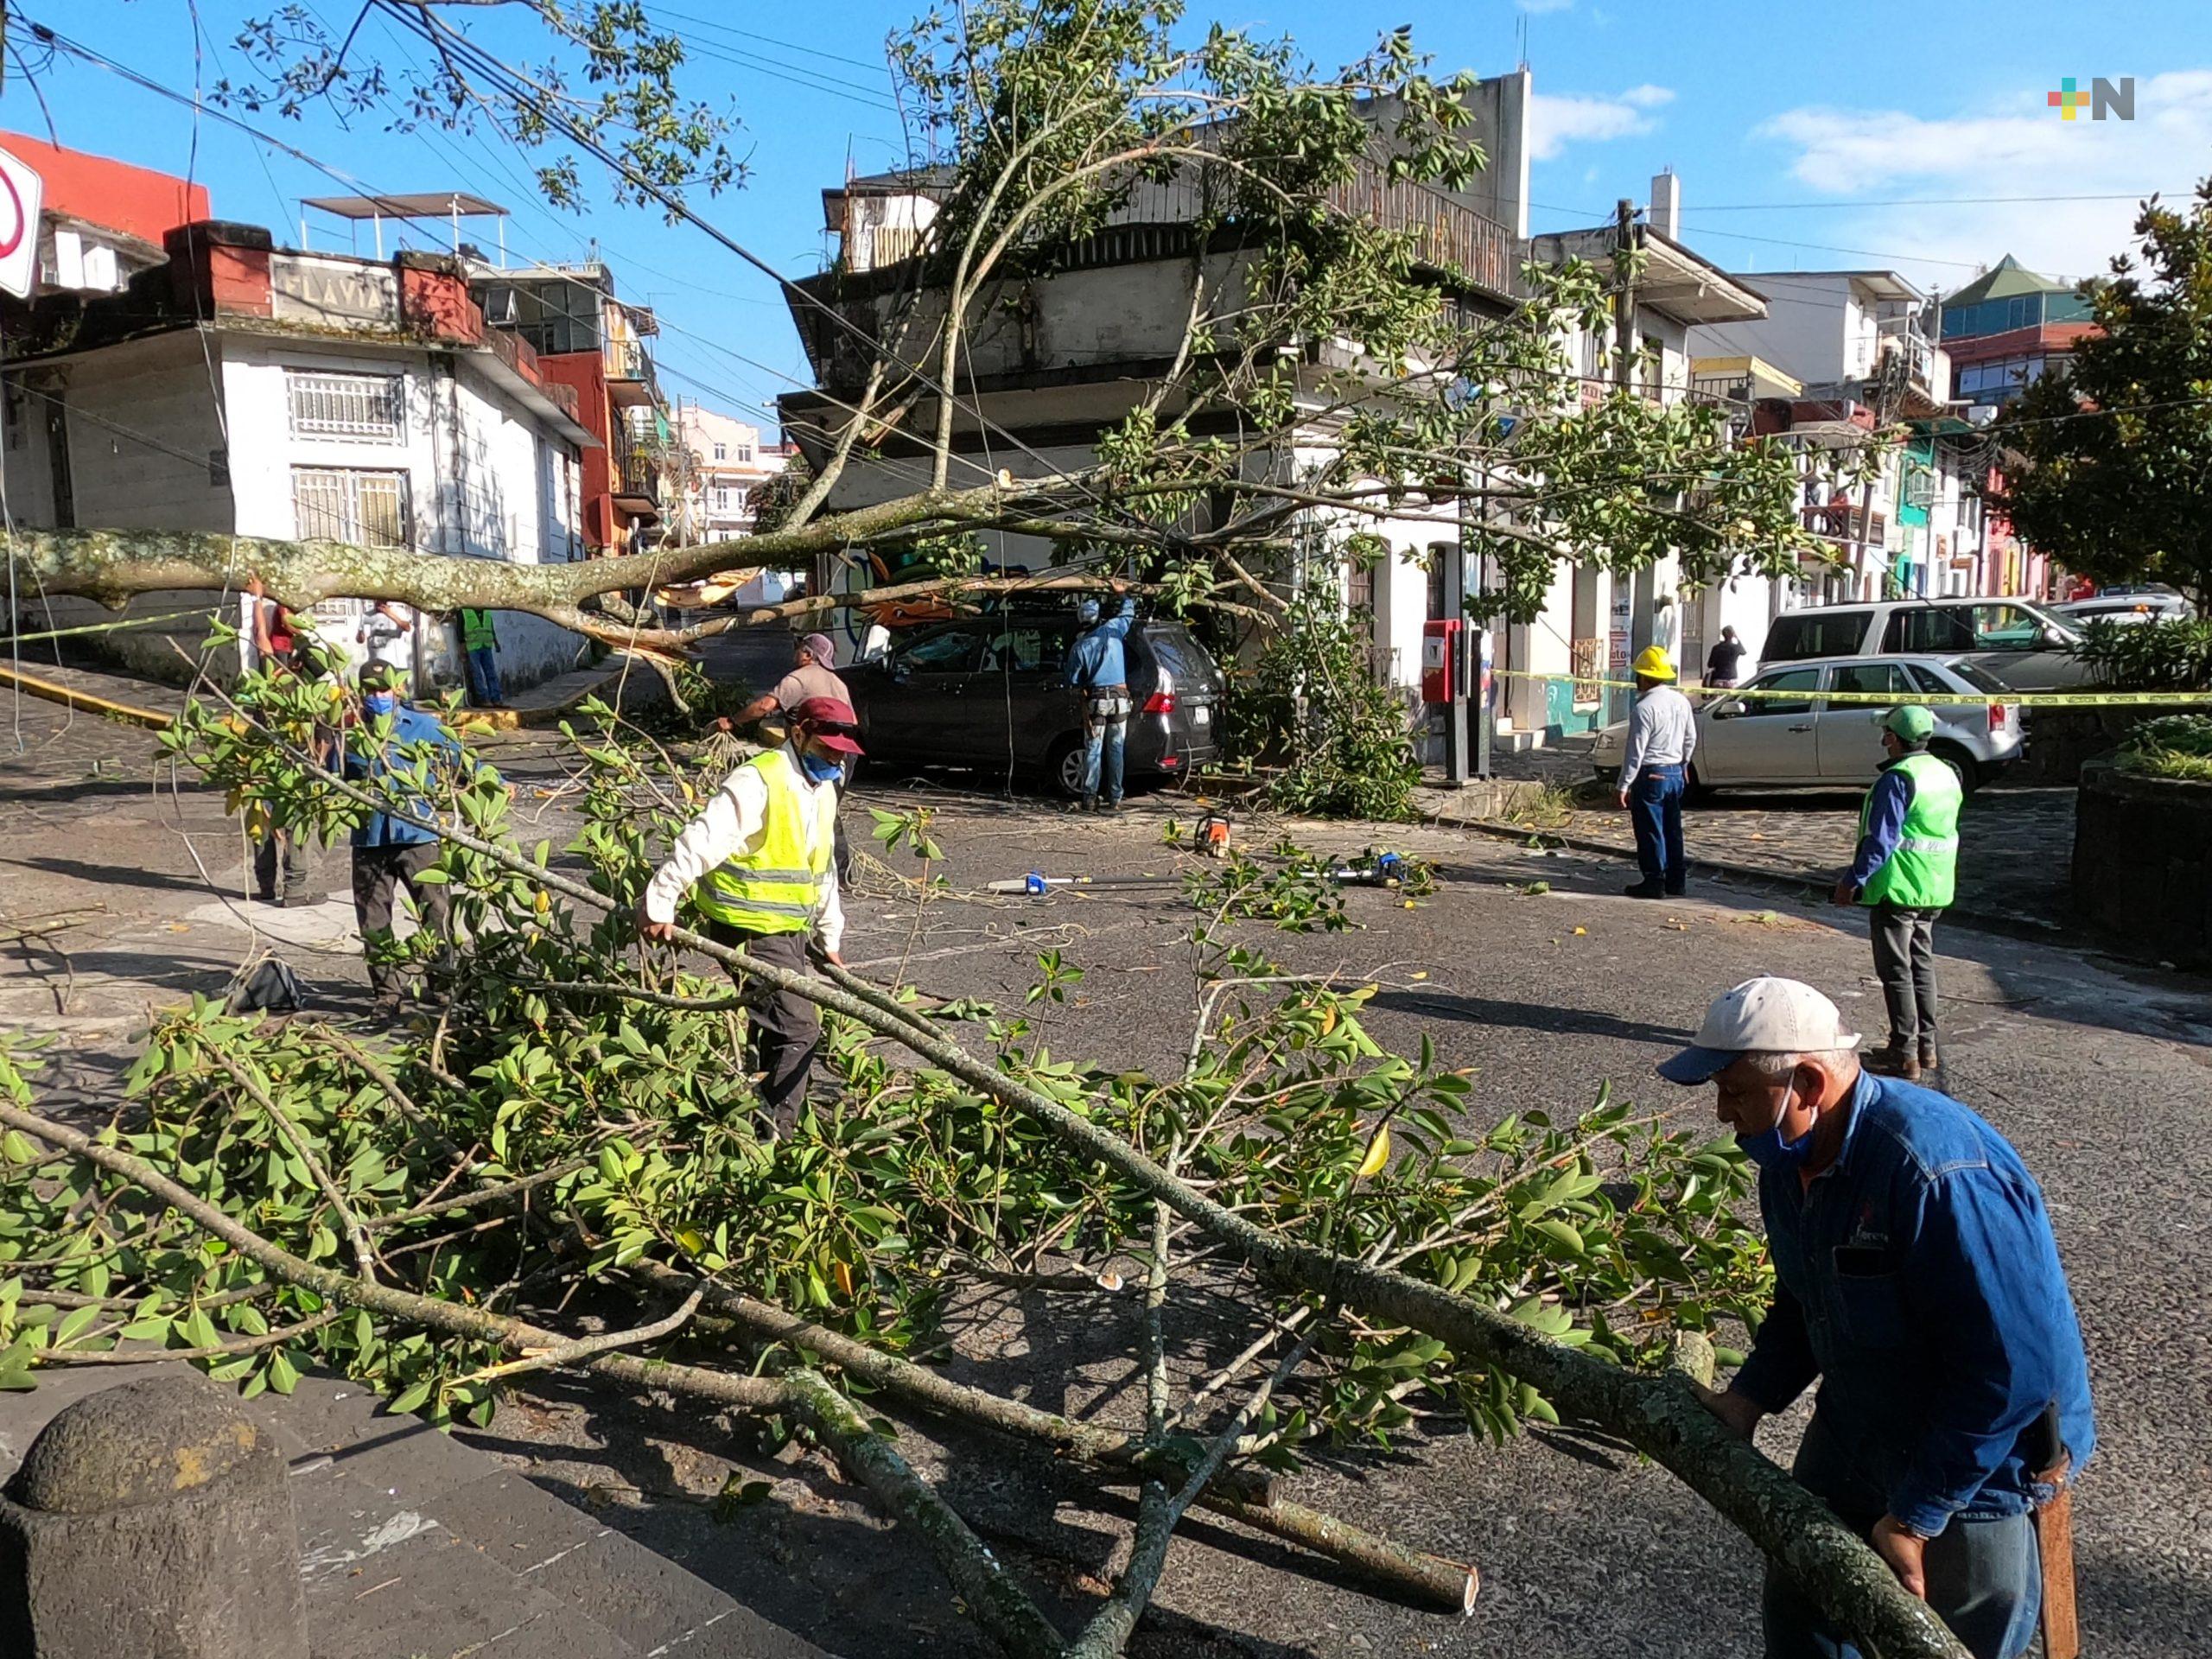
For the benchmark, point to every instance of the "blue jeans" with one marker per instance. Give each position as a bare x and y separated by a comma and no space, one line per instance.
484,675
1655,804
1985,1579
1104,740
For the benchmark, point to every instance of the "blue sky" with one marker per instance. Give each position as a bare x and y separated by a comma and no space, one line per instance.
1807,135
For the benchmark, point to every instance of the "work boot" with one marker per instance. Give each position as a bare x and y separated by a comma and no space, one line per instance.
1646,890
1677,889
1895,1061
1083,804
1930,1061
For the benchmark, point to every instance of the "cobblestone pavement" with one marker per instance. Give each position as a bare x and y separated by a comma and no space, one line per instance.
2015,853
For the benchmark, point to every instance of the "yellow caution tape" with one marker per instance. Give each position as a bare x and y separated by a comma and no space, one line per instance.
1891,699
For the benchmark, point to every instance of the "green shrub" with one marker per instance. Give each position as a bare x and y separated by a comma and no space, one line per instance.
2172,655
2173,746
1339,735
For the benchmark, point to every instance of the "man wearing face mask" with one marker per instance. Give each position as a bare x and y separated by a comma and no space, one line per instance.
389,852
1917,1280
761,858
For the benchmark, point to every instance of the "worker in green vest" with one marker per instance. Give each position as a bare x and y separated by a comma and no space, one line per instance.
479,649
1904,873
759,863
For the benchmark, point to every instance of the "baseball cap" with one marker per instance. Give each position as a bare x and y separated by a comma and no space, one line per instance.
377,677
831,720
1910,722
1764,1015
825,654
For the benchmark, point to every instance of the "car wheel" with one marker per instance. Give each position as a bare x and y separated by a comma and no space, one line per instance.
1063,766
1963,766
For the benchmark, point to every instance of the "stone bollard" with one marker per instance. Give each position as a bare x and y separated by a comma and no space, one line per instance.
151,1519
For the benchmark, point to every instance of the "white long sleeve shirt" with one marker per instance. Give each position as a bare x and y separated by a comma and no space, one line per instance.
1661,731
732,824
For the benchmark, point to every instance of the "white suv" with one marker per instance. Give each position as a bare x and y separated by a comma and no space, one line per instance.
2017,644
1793,737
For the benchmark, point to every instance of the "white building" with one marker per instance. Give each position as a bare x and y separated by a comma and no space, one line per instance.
291,396
727,465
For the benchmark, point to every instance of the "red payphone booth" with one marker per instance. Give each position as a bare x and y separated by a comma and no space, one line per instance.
1440,660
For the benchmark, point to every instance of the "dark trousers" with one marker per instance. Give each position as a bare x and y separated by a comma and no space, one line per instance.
784,1031
1655,804
378,873
282,847
1905,960
1985,1579
484,689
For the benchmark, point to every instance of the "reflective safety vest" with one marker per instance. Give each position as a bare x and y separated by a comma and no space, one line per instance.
778,886
476,629
1922,873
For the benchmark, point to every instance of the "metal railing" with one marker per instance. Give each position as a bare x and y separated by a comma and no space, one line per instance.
626,360
639,477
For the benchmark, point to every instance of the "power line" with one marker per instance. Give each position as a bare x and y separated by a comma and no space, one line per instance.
1914,201
767,40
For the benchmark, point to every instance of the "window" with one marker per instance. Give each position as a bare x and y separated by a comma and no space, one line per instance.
744,453
721,452
1807,680
1799,634
1975,676
949,652
339,504
1026,648
362,408
721,501
1964,627
1871,679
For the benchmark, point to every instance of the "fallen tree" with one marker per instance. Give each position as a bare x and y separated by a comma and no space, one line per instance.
570,1122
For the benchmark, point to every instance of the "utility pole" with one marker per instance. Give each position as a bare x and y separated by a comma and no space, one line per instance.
1641,587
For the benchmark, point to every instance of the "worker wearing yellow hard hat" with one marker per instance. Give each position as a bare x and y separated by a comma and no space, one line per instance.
1654,772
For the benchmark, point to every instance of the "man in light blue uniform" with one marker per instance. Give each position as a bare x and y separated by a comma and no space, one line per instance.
1917,1279
388,851
1098,671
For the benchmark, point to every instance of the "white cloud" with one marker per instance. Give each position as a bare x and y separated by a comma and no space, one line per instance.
2018,148
1541,6
1555,122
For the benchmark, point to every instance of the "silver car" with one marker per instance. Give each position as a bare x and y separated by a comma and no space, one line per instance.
1798,738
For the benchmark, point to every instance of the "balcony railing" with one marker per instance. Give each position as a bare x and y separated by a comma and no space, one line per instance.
1445,233
626,360
639,478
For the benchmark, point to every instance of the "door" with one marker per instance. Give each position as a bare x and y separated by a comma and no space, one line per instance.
919,712
1018,703
1762,740
1849,735
2006,640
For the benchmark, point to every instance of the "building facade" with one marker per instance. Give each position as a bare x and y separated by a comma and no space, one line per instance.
726,462
239,388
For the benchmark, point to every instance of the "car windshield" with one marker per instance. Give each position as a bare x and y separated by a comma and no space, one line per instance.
1980,678
1180,655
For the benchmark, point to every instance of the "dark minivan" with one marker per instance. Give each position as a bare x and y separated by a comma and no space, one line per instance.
989,692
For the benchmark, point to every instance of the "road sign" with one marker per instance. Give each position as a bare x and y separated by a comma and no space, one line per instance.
21,190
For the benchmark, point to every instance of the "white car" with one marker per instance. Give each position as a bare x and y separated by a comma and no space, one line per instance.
2017,644
2123,608
1801,739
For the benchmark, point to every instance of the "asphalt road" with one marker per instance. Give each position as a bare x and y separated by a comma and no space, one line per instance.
2095,1069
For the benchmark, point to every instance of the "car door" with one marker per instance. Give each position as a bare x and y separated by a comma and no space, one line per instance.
1848,735
1019,702
1763,739
920,714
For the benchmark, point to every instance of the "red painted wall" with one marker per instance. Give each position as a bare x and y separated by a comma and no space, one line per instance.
136,200
586,372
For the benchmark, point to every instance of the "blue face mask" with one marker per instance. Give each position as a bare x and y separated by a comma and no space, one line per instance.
1770,1151
380,702
822,772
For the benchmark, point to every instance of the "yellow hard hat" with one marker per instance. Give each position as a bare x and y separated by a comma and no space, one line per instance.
1653,663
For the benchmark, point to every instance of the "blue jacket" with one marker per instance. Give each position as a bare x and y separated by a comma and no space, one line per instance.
1098,659
1917,1278
1887,805
408,726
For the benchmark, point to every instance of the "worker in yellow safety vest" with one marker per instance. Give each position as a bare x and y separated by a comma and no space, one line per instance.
758,865
1905,872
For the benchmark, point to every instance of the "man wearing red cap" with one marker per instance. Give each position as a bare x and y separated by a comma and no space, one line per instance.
761,858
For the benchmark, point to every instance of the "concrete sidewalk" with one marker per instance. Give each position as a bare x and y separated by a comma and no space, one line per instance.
414,1543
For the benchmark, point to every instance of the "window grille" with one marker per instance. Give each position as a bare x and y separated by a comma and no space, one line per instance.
339,504
366,407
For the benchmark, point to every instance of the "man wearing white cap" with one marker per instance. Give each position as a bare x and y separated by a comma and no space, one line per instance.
1917,1281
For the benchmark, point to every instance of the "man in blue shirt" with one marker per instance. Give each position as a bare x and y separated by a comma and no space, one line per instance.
1917,1280
1098,670
388,851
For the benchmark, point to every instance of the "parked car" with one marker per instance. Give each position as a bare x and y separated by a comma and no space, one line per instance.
2019,645
988,692
2141,605
1802,740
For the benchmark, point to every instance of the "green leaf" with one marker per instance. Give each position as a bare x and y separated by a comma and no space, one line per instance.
80,1321
411,1399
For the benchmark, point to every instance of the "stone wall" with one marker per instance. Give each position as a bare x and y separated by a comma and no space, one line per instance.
2061,740
2143,863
